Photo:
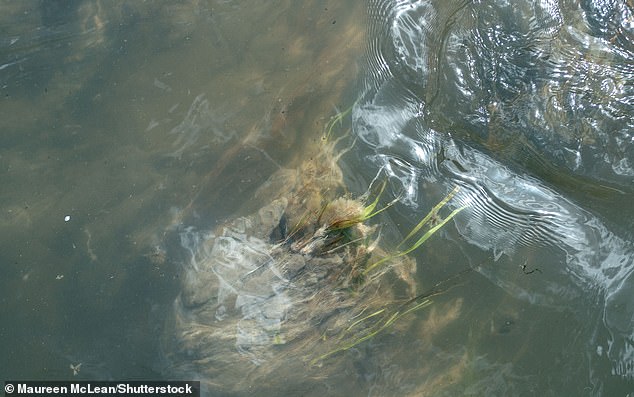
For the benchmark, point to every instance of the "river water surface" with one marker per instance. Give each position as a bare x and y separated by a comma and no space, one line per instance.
127,124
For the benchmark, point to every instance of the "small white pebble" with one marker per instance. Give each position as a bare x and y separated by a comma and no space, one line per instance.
75,368
67,218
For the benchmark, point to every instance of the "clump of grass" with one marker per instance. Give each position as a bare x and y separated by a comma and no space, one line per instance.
380,320
431,219
341,214
370,325
341,224
340,227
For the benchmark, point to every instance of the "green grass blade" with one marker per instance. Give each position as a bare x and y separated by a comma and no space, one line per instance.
355,342
379,262
431,213
367,211
373,332
417,244
376,313
431,231
334,120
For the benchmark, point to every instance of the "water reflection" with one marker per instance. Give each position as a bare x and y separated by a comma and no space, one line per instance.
527,107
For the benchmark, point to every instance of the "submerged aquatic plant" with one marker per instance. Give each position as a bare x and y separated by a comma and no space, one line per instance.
380,320
374,323
313,290
343,213
427,220
369,325
334,120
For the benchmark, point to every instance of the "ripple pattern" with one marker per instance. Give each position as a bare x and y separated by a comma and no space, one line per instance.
527,106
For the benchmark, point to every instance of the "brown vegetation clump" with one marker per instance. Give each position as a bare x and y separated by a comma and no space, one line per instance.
278,296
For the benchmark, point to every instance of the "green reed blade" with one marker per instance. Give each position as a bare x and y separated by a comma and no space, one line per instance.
431,231
431,213
418,243
334,120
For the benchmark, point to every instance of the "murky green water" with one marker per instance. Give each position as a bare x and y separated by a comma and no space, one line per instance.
127,126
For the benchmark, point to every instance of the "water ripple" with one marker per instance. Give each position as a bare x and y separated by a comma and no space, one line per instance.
527,106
